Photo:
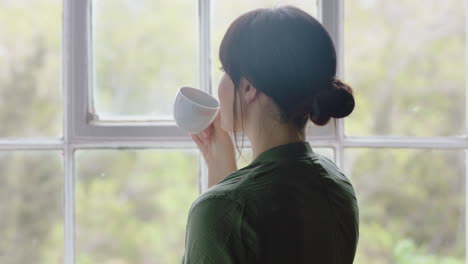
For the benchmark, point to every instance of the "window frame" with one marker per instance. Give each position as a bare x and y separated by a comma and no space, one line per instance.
89,130
82,129
87,124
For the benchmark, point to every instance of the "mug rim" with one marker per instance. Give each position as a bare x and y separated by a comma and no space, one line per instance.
198,90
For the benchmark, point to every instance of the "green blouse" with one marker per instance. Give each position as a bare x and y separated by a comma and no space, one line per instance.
289,205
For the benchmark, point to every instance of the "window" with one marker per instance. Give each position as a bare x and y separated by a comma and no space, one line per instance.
94,170
407,60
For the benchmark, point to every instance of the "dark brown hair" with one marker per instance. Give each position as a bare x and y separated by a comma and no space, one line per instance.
289,56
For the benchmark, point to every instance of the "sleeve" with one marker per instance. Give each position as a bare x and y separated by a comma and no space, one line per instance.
213,233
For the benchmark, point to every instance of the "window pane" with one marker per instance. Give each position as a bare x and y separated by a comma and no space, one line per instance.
143,52
226,11
412,205
30,68
132,205
31,201
406,61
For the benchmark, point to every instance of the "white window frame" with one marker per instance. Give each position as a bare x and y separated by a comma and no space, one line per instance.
82,128
86,123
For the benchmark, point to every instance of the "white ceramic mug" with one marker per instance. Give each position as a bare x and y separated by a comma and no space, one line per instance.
194,109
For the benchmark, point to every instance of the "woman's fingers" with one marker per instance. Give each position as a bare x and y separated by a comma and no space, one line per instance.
204,134
194,138
197,140
208,131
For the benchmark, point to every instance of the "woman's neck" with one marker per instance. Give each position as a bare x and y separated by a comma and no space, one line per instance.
264,129
264,138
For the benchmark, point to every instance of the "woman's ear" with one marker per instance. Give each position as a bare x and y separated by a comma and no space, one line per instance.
249,92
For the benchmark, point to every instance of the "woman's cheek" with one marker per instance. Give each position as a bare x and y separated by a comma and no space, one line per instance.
225,115
222,107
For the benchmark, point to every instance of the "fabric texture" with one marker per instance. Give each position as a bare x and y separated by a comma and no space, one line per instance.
289,205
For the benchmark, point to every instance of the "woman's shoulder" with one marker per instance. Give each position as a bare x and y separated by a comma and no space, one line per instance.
212,211
216,194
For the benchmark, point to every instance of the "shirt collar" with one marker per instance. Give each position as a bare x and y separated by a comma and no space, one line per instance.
285,151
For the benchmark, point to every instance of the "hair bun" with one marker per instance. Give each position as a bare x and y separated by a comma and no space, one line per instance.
343,98
336,102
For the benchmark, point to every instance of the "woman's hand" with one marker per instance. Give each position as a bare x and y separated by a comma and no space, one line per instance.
217,148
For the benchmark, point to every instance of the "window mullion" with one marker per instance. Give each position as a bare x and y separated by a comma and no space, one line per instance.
339,43
331,15
74,87
204,16
466,127
69,204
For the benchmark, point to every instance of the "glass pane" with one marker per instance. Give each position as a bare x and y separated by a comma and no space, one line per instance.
31,207
132,205
226,11
246,157
412,205
406,61
143,52
327,152
30,68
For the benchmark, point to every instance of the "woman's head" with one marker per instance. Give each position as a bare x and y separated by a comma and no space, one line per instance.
287,56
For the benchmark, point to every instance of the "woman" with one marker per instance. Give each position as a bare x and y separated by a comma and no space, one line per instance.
290,204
